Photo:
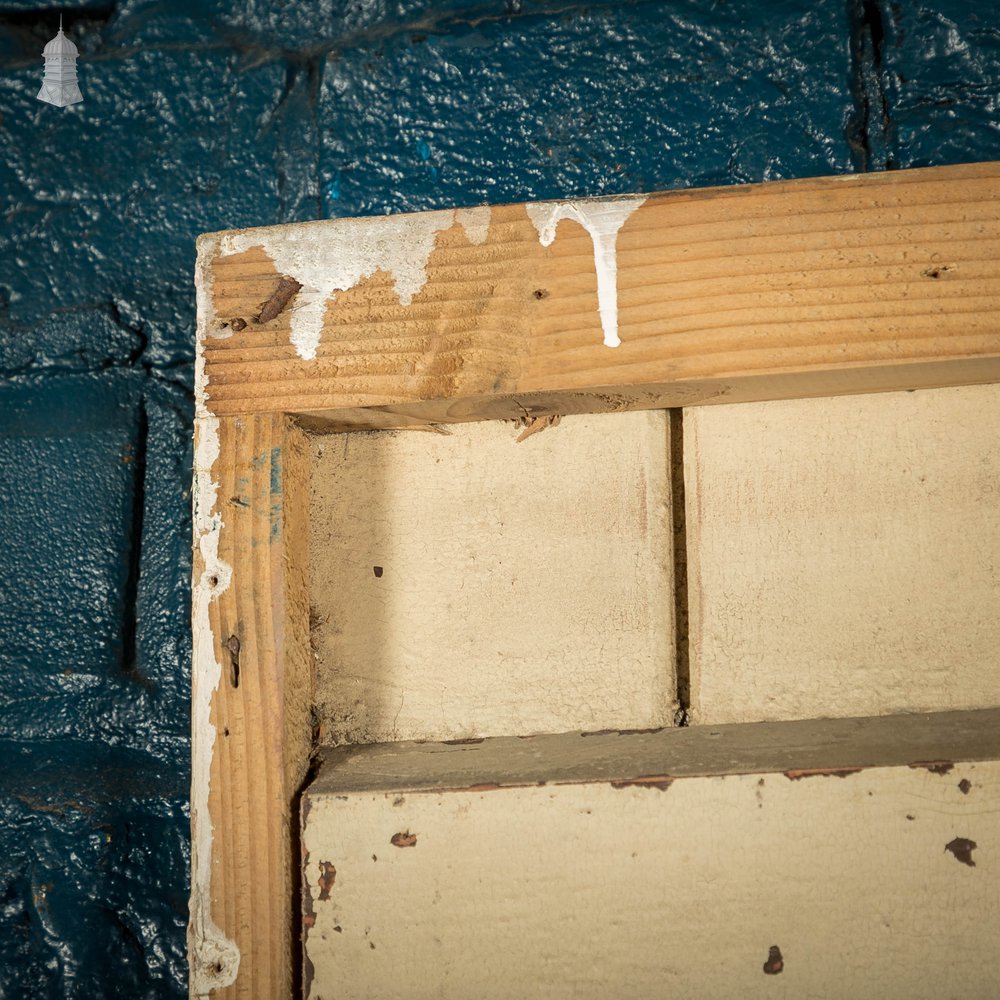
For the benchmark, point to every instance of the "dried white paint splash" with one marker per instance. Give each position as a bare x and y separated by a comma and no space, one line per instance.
603,220
330,257
214,958
475,222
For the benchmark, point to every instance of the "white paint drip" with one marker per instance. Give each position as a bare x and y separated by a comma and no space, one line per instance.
603,220
214,958
330,257
475,222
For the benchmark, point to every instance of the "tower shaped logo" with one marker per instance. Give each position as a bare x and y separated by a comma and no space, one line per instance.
59,86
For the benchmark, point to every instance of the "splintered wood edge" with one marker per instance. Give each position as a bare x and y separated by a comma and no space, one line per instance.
824,286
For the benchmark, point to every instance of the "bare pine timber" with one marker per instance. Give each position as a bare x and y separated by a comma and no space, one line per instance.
809,287
256,745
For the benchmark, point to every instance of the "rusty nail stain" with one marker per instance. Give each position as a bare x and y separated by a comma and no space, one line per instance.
327,878
827,772
406,839
775,962
934,766
661,782
280,297
965,786
377,570
962,848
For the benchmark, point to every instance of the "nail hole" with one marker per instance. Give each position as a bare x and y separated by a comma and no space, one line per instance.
213,581
377,570
233,645
540,293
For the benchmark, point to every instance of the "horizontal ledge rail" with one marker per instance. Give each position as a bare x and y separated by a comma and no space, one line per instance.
821,286
936,741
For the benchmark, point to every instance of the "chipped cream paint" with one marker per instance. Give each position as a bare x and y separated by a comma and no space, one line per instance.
330,257
214,958
569,891
602,219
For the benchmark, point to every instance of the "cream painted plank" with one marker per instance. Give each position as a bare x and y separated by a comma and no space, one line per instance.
466,585
609,888
844,555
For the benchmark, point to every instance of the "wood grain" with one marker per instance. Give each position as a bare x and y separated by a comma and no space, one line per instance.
808,287
260,709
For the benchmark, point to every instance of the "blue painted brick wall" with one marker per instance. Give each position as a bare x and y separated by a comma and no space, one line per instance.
203,116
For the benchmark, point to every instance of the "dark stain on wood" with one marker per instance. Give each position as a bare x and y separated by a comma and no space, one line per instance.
280,297
327,878
661,782
405,839
962,848
965,786
934,766
471,741
624,732
775,961
825,772
237,323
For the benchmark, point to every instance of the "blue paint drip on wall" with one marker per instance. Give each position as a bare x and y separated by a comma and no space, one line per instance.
203,116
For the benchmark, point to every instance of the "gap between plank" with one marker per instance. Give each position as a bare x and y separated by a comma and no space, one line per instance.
679,525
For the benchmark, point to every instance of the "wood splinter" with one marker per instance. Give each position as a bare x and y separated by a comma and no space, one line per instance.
280,297
535,424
